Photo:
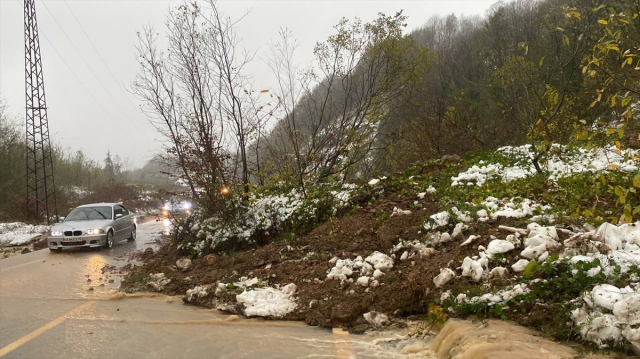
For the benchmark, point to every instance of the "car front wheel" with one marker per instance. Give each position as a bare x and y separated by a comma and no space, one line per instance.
133,235
109,241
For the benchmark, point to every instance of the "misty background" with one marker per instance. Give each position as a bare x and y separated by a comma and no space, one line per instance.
89,61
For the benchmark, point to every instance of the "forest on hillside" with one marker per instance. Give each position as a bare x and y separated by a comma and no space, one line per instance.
77,177
377,100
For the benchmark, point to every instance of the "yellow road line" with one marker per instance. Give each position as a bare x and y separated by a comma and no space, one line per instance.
25,339
343,346
19,265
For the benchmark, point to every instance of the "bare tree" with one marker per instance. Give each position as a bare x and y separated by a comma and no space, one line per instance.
199,97
331,112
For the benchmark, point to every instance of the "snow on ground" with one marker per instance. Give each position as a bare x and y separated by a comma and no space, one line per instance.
18,233
366,271
491,207
607,313
571,162
268,302
267,213
256,301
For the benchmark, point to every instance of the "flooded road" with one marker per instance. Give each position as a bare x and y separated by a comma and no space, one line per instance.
67,305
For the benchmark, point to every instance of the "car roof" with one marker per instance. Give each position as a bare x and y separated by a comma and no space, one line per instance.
99,204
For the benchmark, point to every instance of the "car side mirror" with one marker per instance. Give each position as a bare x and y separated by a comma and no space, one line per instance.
119,215
60,219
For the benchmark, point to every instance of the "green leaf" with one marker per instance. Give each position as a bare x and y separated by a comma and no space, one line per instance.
636,180
603,22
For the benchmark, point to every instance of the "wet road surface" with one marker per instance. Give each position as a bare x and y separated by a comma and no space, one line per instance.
66,305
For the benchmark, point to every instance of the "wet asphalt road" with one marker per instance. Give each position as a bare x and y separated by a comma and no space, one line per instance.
62,305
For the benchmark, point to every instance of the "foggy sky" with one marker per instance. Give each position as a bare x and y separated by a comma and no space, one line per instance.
87,77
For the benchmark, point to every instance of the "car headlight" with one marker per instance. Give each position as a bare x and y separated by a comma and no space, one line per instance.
56,233
95,231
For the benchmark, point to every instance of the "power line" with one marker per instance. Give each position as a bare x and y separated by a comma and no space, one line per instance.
126,95
79,80
90,69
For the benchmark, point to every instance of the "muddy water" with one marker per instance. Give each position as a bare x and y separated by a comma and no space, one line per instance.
61,305
494,339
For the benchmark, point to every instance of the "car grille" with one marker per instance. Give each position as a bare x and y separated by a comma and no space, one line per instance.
74,233
73,243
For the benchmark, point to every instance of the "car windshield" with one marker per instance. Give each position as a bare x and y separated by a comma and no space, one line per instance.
89,214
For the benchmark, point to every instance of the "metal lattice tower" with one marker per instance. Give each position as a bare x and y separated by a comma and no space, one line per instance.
41,195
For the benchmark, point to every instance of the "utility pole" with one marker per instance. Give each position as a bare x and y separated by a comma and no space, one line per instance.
41,190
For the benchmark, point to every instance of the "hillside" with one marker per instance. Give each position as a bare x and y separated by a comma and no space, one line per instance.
484,236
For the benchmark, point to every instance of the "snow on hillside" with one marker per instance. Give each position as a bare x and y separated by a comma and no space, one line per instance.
570,162
17,233
604,315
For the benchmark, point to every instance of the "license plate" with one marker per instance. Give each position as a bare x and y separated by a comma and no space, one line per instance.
71,240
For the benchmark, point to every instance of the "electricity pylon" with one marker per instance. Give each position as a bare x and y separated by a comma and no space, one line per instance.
41,190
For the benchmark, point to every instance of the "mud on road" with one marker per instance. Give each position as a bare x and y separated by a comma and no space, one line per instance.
404,291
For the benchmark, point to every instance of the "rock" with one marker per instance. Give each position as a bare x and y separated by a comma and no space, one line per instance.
344,313
333,260
148,251
374,284
353,247
450,158
404,256
314,303
183,263
359,328
211,259
427,252
444,277
498,274
25,250
376,319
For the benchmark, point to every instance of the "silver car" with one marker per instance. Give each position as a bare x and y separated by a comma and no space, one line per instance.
93,225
